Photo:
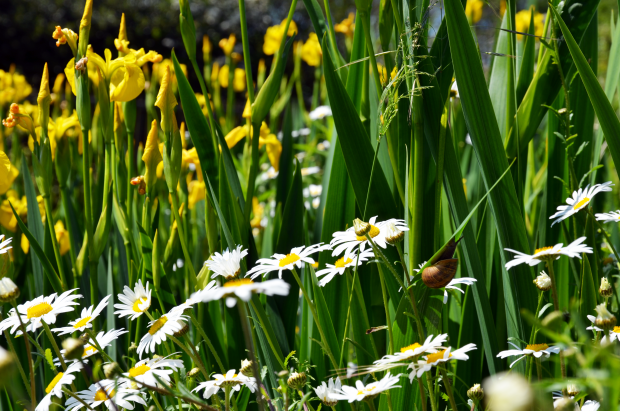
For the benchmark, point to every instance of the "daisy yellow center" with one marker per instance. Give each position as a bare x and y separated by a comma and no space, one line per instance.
38,310
538,250
237,283
410,347
536,347
341,263
158,324
136,305
315,265
289,259
82,322
581,203
101,395
365,390
431,358
616,329
374,231
87,349
139,370
54,382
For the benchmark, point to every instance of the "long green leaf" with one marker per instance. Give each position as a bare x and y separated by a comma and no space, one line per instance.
35,224
602,107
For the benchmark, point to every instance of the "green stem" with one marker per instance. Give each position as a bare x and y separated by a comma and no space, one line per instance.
448,386
188,263
431,392
50,222
387,310
33,395
191,355
371,405
65,205
227,389
246,51
315,316
364,16
253,173
19,364
100,349
50,336
538,368
88,215
157,402
247,334
208,341
346,324
554,293
205,92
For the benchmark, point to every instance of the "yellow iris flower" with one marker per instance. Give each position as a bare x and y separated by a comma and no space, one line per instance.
8,173
13,87
266,138
274,35
197,192
473,10
166,102
151,157
7,219
62,236
63,126
311,51
522,22
228,45
346,26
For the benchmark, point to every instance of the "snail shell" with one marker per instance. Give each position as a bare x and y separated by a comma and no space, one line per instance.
440,274
448,252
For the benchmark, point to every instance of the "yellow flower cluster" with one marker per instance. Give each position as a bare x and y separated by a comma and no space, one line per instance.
274,35
522,22
473,10
13,87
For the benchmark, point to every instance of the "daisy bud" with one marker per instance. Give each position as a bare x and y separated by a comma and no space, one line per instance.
246,368
604,319
361,228
565,404
112,370
475,393
74,348
193,372
605,289
157,357
394,235
571,390
132,348
184,329
500,392
8,290
7,364
297,380
543,281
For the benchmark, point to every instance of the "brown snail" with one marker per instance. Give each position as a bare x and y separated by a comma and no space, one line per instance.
443,270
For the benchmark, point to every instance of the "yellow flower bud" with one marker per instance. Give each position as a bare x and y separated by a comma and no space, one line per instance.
8,173
206,45
151,157
44,98
228,45
121,43
239,80
88,15
166,102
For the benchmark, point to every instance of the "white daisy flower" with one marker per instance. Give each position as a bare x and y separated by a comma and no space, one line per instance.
614,333
85,320
55,387
145,371
537,350
572,250
581,198
310,170
315,190
320,112
230,380
90,349
410,352
40,309
452,285
134,302
347,241
281,262
608,217
109,393
437,358
4,245
341,265
243,288
316,202
228,264
591,405
167,324
195,298
361,392
327,392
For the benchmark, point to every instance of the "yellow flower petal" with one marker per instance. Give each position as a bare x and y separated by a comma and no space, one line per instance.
274,149
152,156
127,84
166,102
236,135
311,51
70,73
239,80
8,173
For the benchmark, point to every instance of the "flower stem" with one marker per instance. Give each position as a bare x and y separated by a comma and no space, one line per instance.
371,405
227,398
50,336
188,263
538,368
47,202
208,341
315,316
247,334
448,386
387,310
346,324
33,395
100,349
191,355
88,215
554,293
